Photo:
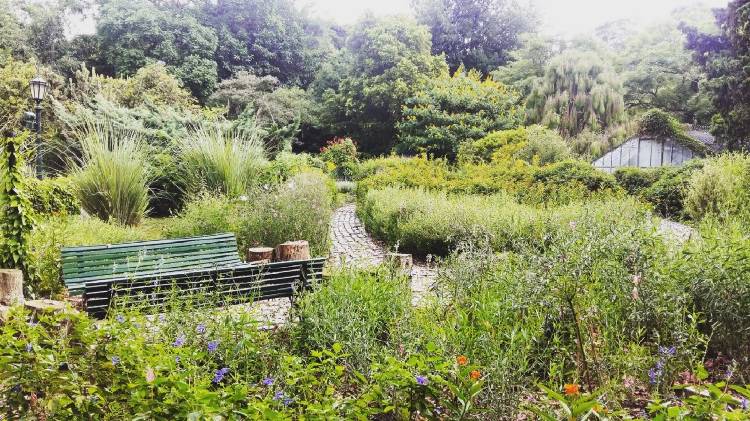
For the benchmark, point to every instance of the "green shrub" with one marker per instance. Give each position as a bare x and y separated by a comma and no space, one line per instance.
499,145
112,178
450,111
53,196
360,310
634,180
222,161
423,222
300,209
341,153
721,188
564,173
667,194
286,165
204,215
544,146
715,267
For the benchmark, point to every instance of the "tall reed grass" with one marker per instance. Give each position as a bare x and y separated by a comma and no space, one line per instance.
111,175
222,160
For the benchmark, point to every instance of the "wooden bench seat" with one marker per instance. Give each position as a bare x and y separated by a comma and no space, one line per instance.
151,273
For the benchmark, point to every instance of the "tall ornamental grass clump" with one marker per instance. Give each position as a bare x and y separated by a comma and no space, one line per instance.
221,160
112,175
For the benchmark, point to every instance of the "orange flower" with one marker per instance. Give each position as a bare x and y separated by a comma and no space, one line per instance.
571,389
462,360
475,375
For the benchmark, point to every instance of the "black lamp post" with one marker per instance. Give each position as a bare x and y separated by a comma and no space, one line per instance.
38,88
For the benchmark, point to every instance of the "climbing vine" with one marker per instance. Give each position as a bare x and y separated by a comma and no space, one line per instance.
15,207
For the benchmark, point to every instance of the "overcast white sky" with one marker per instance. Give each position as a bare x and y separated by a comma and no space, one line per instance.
559,17
567,17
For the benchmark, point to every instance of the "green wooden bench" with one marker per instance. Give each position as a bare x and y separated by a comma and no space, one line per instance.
213,287
112,261
152,272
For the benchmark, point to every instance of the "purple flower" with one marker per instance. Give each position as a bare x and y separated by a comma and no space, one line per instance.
120,318
268,381
288,401
653,375
29,347
667,352
744,404
115,360
421,380
278,395
729,373
659,365
200,329
219,375
213,346
179,341
177,359
162,317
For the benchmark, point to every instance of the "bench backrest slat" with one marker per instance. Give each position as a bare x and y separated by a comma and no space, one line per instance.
81,265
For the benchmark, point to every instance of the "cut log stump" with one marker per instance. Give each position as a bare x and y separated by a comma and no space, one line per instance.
400,263
260,254
11,287
292,250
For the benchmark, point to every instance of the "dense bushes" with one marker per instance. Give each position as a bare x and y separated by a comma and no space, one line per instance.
366,311
558,183
207,364
534,145
53,196
423,222
721,188
341,155
298,209
450,111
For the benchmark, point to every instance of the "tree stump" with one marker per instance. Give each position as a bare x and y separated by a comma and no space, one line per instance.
45,305
293,250
259,254
400,263
11,286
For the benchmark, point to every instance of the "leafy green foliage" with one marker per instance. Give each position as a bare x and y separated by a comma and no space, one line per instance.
386,61
660,124
15,208
221,160
453,110
364,310
721,188
478,35
533,145
341,153
136,33
725,57
53,196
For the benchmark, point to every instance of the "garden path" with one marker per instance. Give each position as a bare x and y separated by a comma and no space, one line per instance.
351,245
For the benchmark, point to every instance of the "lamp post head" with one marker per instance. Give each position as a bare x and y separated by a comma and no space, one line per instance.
38,88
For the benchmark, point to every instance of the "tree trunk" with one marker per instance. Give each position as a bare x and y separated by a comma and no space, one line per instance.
11,286
293,250
259,254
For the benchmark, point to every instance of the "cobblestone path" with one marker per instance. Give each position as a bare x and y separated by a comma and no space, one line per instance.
353,246
350,245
